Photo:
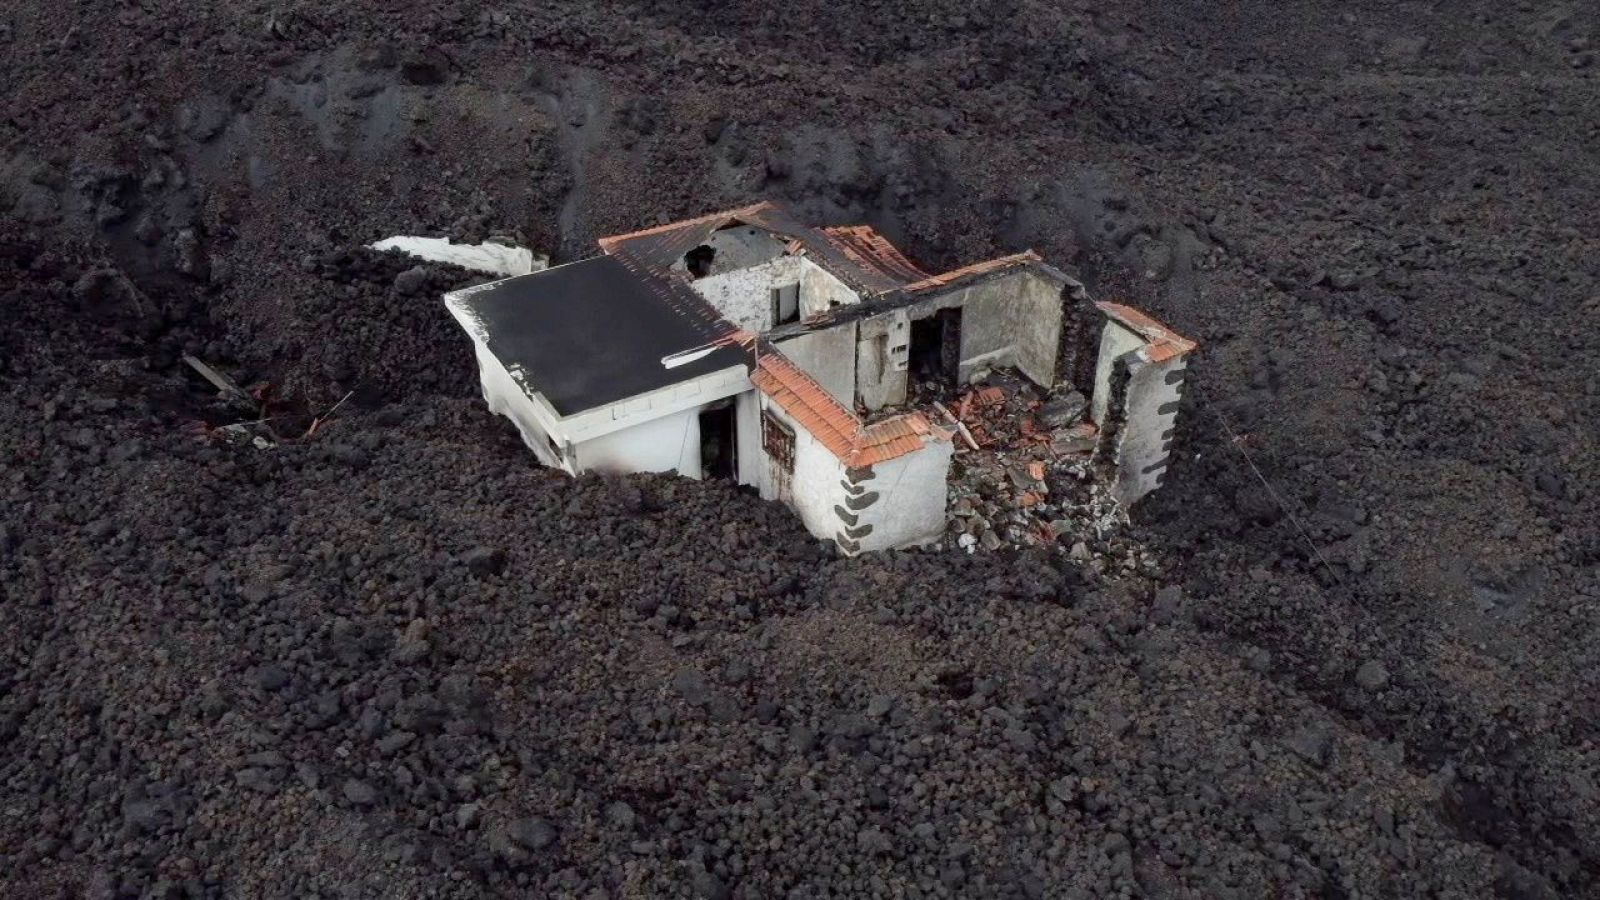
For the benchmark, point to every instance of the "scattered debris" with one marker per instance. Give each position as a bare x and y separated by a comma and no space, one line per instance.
490,258
317,422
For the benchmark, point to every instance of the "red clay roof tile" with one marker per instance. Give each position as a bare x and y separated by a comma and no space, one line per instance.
871,250
1161,342
978,268
830,422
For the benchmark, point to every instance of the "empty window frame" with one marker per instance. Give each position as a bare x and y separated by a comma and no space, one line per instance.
786,304
777,441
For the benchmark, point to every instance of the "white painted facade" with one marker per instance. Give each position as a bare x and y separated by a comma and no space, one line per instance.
897,503
657,431
913,492
1144,443
811,488
1143,426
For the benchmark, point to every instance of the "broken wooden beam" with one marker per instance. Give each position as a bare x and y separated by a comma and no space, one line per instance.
960,427
227,386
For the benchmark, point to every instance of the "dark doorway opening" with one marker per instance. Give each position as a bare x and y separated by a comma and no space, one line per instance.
698,261
786,304
935,353
717,454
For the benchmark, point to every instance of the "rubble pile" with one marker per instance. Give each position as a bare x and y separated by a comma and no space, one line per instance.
1022,474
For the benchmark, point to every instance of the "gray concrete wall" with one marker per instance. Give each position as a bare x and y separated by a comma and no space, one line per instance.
880,366
987,337
828,356
1036,315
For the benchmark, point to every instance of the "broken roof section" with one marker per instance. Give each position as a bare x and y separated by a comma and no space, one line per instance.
830,422
591,333
664,245
868,249
1161,342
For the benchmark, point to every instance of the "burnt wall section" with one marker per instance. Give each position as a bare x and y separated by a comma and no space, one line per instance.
1078,348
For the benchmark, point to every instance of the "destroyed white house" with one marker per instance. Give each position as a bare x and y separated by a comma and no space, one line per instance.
747,345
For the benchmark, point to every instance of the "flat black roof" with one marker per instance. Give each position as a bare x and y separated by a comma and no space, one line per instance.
590,333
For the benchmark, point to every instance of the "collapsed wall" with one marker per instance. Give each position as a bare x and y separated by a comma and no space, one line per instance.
1138,385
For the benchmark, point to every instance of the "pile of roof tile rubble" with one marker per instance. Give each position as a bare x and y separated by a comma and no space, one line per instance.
1021,475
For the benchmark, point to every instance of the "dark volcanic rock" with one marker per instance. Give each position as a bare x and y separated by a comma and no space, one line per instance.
347,661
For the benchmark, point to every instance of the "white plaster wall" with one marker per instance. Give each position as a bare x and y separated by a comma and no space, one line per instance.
820,290
708,388
505,397
747,438
880,370
913,491
988,337
1152,412
829,356
1011,320
813,488
668,444
744,297
1115,340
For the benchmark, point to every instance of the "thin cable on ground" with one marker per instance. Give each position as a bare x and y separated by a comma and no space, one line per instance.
1233,439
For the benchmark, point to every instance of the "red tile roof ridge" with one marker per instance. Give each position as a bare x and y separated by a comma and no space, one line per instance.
867,248
607,242
977,268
